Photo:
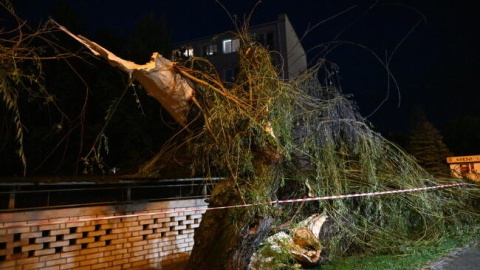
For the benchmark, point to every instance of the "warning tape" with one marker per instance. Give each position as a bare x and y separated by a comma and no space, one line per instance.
240,205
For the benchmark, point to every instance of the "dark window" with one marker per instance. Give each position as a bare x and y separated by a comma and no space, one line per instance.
230,74
269,41
210,49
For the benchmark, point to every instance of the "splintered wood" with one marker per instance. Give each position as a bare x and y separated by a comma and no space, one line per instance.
158,77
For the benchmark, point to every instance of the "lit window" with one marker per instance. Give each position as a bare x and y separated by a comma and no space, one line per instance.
182,53
188,52
231,45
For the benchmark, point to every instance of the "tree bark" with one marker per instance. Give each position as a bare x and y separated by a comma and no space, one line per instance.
227,238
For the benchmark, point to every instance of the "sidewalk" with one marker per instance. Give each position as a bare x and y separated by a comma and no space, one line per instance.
467,258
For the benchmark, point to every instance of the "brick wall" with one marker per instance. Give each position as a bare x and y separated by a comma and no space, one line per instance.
69,239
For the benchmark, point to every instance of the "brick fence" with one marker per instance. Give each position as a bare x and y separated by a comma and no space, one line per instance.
66,239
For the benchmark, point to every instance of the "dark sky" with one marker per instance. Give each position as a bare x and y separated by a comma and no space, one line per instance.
436,67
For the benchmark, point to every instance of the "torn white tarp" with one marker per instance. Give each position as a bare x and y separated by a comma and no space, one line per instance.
157,77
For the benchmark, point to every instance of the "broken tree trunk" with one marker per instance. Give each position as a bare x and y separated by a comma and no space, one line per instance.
227,238
158,77
303,243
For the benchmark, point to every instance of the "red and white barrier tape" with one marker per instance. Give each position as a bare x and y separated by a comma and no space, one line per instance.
334,197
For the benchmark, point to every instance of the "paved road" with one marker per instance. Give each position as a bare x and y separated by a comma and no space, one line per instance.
467,258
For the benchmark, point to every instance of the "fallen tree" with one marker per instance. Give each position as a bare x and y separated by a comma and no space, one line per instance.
272,139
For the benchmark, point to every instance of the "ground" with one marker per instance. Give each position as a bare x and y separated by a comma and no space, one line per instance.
466,258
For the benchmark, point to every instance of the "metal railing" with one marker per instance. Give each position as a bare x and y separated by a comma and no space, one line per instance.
30,196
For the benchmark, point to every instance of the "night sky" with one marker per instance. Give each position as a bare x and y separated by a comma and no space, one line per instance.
436,66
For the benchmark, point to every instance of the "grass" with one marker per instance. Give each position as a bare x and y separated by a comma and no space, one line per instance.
414,258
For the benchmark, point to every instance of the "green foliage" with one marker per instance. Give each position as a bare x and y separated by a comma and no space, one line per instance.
413,257
236,141
262,130
344,156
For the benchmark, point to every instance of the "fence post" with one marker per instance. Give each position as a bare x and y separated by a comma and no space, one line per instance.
11,200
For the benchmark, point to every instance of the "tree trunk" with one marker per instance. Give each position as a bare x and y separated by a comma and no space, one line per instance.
225,242
227,238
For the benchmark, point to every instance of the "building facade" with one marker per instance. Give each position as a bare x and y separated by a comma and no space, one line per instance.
465,167
278,36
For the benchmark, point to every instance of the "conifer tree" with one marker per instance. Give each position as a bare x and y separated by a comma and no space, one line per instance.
426,144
